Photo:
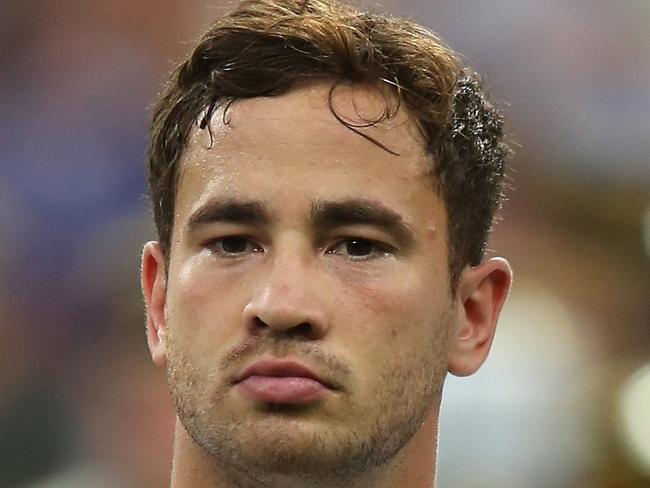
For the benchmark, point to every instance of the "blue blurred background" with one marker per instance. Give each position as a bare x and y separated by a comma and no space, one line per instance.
564,400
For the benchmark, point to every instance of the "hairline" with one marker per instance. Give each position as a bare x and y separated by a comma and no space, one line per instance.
226,103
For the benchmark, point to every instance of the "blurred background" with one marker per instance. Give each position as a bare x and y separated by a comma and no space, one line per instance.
564,400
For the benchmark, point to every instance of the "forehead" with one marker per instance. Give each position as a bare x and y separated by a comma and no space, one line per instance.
358,105
294,144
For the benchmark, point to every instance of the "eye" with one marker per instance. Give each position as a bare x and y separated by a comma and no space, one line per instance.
357,248
233,246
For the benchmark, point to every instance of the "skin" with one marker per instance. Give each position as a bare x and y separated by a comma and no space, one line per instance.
366,306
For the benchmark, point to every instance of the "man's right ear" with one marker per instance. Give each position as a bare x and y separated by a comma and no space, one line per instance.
154,289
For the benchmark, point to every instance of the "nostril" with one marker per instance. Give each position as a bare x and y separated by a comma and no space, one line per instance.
259,324
303,329
279,317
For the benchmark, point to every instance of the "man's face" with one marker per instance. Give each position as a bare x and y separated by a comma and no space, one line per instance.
298,241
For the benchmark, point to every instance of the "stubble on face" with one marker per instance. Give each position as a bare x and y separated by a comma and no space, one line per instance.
281,444
391,320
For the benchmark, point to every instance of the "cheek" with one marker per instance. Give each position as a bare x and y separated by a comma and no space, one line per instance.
395,313
202,304
397,333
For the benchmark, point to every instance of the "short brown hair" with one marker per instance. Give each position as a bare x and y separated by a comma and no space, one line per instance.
265,47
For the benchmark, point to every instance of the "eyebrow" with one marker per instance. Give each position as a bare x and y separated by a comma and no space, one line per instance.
229,210
330,214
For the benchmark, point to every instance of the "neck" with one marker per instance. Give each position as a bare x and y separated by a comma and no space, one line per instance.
413,466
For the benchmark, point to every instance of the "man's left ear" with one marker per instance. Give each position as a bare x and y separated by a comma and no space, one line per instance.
482,290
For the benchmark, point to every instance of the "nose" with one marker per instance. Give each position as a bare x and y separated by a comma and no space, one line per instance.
286,302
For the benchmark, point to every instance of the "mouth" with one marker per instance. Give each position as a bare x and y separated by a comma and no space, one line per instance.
281,381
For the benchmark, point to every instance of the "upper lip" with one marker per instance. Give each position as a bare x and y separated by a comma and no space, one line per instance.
279,368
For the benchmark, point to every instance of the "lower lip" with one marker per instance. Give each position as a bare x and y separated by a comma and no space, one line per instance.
285,389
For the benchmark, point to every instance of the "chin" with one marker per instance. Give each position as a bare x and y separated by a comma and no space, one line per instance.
283,439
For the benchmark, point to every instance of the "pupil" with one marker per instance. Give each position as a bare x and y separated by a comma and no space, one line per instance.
359,248
234,244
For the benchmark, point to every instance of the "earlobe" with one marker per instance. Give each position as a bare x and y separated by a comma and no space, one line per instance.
482,292
154,289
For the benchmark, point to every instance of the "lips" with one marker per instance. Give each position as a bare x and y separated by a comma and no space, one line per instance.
281,381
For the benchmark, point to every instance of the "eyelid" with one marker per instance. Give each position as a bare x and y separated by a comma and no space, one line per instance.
212,242
380,248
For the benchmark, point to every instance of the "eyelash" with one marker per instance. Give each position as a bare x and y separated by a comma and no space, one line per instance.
214,243
376,249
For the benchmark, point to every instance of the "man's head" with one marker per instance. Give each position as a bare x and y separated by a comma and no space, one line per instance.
323,182
266,47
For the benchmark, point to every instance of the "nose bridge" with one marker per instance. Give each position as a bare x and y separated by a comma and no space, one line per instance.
285,296
287,281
